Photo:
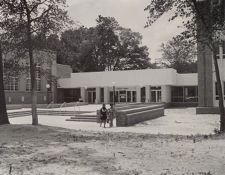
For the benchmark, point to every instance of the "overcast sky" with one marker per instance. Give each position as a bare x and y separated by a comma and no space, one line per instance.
129,14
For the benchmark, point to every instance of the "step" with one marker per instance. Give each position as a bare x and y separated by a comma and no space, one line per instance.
84,116
18,115
57,113
82,120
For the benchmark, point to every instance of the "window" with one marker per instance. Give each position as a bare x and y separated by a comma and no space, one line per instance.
191,94
28,84
101,95
143,94
38,79
11,83
134,94
185,94
71,95
177,94
217,92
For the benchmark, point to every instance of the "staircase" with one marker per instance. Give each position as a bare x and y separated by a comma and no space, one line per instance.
83,118
19,114
73,116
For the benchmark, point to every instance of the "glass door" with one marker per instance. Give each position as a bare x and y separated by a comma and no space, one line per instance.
156,94
123,96
91,96
128,96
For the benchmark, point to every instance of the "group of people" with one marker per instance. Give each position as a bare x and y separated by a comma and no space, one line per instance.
107,115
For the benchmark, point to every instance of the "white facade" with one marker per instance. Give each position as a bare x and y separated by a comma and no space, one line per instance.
149,85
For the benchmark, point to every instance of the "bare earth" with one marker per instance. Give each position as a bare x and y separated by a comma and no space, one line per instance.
42,150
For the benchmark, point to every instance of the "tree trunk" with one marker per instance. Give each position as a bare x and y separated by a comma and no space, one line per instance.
3,113
33,88
220,91
32,72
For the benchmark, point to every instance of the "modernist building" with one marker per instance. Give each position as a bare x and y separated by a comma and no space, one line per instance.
17,85
149,85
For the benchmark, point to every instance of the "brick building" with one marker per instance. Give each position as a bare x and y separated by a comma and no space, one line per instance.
17,85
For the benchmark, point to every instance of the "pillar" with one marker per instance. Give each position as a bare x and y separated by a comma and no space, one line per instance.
83,94
106,95
97,100
147,94
166,94
138,92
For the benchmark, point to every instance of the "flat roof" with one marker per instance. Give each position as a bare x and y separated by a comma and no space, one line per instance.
153,77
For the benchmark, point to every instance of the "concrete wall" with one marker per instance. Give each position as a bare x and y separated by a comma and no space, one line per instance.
189,79
133,116
205,77
207,110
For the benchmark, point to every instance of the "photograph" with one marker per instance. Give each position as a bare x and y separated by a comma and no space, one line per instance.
112,87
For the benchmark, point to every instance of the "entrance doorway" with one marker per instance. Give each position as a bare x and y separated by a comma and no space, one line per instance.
91,93
123,96
156,94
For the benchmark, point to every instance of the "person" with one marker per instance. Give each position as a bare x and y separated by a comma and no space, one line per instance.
111,115
103,115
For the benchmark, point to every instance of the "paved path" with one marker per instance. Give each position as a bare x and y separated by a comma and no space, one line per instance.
176,121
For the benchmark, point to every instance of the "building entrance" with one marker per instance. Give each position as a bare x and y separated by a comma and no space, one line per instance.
91,94
123,96
156,94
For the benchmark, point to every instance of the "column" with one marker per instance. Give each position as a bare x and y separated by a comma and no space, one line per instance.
147,93
83,94
138,92
97,100
106,95
166,94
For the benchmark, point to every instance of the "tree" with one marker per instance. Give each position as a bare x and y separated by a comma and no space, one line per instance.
31,18
108,42
204,22
180,55
108,46
131,54
3,113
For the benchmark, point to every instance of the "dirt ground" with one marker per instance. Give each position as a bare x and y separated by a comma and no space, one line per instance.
42,150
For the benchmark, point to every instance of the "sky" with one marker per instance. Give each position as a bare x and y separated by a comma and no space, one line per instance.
129,14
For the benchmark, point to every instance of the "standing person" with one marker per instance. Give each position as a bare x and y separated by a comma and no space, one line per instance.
111,115
103,115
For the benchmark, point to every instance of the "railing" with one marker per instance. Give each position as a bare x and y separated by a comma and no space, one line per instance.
49,105
62,105
76,106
